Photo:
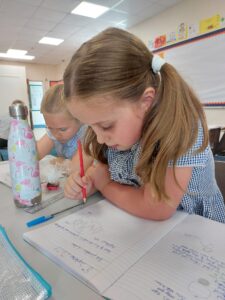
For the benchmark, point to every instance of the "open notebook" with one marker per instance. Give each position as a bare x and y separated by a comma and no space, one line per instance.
125,257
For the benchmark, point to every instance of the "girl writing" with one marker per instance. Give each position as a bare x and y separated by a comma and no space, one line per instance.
63,131
147,131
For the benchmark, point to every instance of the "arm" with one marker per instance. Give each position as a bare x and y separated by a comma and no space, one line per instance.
44,146
140,201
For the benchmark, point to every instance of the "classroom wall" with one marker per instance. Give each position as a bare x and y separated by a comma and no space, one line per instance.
39,72
36,72
188,11
12,86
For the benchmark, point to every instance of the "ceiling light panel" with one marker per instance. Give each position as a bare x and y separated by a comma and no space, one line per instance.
90,10
50,41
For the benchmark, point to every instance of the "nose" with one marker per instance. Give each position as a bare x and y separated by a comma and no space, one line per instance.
57,134
102,137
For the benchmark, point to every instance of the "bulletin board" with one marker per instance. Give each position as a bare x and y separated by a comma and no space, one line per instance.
201,62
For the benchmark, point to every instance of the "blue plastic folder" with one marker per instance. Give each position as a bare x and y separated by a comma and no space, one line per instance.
18,280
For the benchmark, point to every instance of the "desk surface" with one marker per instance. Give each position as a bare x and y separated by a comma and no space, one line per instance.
64,285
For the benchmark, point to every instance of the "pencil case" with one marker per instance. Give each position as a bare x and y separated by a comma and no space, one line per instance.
17,278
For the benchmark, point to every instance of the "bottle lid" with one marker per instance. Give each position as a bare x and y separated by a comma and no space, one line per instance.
18,110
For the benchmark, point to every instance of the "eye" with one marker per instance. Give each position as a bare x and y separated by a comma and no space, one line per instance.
63,129
107,127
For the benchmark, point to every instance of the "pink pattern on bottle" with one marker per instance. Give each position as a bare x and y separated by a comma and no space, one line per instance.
27,133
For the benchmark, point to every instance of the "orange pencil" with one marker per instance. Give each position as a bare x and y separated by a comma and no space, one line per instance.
84,192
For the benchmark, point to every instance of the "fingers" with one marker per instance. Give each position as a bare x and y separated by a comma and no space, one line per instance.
72,187
74,184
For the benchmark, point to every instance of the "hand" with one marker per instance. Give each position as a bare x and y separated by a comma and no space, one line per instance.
74,184
100,176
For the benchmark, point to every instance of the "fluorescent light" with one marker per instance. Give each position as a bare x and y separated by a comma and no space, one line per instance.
26,57
50,41
90,10
17,54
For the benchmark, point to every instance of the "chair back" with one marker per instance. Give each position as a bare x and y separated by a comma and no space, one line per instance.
220,149
214,137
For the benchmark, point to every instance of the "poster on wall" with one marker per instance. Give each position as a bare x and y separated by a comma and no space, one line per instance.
193,30
182,31
209,24
171,37
160,41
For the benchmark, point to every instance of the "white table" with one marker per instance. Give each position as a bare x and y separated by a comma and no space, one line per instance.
64,285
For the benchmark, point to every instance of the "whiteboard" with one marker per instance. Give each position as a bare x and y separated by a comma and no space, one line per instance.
201,62
13,86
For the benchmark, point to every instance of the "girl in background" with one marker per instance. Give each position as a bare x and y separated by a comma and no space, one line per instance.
63,131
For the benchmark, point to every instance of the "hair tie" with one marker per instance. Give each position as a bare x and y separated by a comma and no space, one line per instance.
157,63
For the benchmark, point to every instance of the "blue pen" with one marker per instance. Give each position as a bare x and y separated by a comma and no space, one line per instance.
49,217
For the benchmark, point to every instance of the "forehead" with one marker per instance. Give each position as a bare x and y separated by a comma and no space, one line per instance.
58,119
97,110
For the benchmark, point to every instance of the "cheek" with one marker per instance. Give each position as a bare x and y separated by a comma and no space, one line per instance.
131,130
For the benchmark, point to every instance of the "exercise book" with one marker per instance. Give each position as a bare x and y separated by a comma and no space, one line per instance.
125,257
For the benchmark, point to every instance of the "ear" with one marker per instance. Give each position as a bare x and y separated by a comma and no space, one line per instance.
147,98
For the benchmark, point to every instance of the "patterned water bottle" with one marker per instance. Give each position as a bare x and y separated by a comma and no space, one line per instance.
23,161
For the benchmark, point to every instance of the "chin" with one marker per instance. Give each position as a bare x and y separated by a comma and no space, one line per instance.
122,148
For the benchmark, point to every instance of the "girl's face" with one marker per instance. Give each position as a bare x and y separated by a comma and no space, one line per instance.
61,126
116,125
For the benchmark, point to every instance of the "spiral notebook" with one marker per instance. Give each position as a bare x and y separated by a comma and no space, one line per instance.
124,257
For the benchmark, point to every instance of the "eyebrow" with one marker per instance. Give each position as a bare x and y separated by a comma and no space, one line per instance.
102,122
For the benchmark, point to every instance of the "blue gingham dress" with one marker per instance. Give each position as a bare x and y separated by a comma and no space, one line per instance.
203,196
68,149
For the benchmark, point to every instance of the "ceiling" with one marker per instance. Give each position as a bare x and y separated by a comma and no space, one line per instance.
24,22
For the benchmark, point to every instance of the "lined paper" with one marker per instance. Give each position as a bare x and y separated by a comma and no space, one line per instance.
99,243
188,263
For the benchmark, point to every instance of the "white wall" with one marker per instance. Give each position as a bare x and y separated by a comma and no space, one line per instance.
38,72
188,11
12,86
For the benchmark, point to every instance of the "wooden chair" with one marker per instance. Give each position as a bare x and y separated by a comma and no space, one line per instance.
220,176
214,138
220,149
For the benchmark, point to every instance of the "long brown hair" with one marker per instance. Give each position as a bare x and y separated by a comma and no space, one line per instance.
117,63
